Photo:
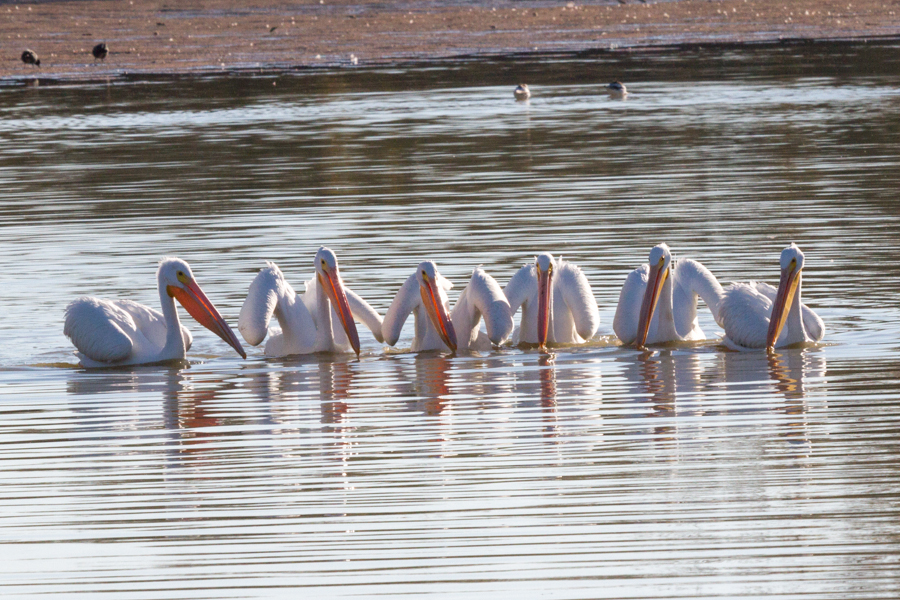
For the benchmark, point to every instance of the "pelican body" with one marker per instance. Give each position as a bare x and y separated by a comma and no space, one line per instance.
756,315
121,332
658,302
557,304
424,294
322,320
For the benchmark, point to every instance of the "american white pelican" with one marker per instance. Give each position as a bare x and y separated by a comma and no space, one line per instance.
522,92
756,315
616,89
122,332
424,293
319,321
658,302
558,306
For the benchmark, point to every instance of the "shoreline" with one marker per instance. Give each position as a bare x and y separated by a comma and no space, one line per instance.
231,37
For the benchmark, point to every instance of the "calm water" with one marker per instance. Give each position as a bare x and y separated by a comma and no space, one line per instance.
598,471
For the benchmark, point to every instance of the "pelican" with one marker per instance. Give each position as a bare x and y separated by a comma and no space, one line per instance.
672,288
558,306
122,332
522,92
306,325
424,293
756,315
616,89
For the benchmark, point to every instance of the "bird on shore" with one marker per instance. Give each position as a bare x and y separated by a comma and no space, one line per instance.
658,302
321,320
121,332
522,92
756,315
424,294
616,89
558,306
30,58
100,51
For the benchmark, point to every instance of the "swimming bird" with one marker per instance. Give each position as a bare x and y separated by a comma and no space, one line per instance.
319,321
424,294
558,306
522,92
616,89
30,58
756,315
100,51
122,332
658,302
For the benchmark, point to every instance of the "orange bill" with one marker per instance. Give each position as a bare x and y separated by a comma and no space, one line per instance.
438,314
334,289
545,279
648,304
198,305
787,287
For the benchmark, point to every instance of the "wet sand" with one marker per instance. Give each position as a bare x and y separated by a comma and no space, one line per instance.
202,36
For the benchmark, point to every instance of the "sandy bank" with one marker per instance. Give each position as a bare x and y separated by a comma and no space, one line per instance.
183,36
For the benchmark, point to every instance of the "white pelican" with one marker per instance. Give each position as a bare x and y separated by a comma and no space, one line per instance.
666,309
754,315
424,293
522,92
122,332
616,89
306,324
558,306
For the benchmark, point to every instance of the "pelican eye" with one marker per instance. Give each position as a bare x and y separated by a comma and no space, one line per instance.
181,276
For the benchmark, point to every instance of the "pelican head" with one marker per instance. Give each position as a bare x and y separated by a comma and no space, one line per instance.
543,263
175,276
791,265
660,259
329,277
427,275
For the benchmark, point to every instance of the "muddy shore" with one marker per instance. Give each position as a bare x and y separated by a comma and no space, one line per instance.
202,36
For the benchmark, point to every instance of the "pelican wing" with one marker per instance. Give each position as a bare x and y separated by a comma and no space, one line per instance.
406,300
577,294
813,323
262,299
151,323
364,313
745,310
99,329
628,310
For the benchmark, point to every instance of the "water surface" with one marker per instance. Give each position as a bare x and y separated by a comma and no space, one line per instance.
596,471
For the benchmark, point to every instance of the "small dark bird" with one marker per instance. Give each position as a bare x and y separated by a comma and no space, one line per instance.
100,51
30,58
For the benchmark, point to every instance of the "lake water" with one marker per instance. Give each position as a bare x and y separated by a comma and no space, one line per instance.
594,472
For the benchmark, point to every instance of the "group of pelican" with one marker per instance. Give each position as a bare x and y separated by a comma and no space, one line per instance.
657,304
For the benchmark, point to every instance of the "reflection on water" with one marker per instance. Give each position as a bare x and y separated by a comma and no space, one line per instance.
593,471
